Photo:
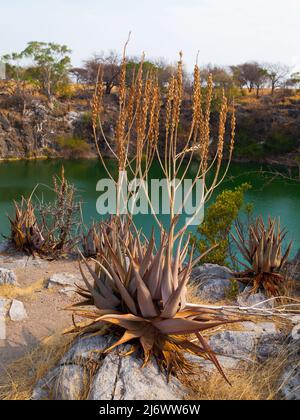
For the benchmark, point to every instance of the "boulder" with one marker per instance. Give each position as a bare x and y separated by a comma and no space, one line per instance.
246,298
17,311
123,378
68,291
296,332
289,382
7,277
234,343
212,281
261,328
227,363
269,345
69,383
113,376
290,389
62,279
87,348
260,340
44,386
4,246
4,305
2,328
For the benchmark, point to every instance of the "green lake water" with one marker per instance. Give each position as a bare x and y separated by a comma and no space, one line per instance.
277,198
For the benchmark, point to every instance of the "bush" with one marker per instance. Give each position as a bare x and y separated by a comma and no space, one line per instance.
74,146
279,142
217,225
65,91
252,150
86,119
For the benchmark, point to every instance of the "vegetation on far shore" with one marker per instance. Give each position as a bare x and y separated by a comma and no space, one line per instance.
266,96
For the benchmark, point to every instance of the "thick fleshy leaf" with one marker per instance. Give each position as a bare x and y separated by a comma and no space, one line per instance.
123,292
147,259
144,297
173,303
153,276
106,293
167,278
128,336
100,301
115,259
128,321
185,326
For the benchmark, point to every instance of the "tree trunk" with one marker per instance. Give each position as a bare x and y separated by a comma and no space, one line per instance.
273,88
108,89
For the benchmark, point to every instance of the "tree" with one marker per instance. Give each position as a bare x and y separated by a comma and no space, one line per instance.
14,69
221,77
251,75
19,74
79,73
294,80
111,66
276,74
52,62
260,79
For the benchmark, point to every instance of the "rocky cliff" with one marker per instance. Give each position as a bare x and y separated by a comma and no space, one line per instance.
266,129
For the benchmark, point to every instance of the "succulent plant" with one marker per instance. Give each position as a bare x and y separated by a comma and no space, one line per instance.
25,233
91,241
141,291
47,229
261,248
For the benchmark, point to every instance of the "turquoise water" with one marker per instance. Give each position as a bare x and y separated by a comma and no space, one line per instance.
277,198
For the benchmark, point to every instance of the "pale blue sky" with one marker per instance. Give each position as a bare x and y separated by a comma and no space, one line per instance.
225,31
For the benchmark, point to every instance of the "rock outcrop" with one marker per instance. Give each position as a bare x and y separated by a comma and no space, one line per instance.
212,281
7,277
85,372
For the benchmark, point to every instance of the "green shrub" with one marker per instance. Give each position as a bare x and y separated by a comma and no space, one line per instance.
251,150
217,224
232,291
75,145
280,142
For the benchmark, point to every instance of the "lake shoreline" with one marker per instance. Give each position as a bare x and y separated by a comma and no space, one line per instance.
286,162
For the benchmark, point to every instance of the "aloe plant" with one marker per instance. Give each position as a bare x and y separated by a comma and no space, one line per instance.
25,233
261,249
137,288
141,291
47,229
91,241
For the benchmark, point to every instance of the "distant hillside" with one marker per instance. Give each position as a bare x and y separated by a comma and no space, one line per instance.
267,128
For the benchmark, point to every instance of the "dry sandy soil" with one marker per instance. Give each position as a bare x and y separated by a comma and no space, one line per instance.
45,307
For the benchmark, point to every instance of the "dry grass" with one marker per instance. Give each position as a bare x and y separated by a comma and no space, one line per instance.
14,292
18,381
250,382
256,381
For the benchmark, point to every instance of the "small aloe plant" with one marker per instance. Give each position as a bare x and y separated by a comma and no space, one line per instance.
25,232
261,249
